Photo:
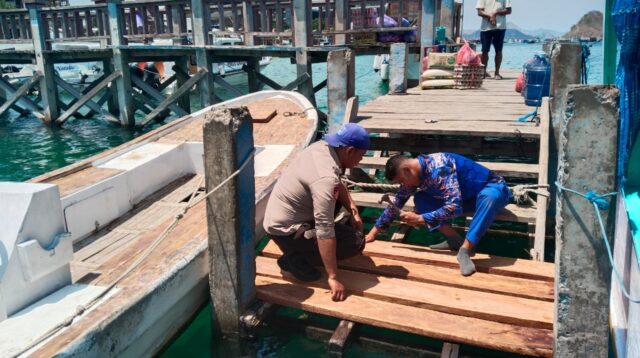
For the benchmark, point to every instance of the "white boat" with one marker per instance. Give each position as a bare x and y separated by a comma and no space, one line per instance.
84,270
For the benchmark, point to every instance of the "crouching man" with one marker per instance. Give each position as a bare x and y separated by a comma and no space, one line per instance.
300,213
445,186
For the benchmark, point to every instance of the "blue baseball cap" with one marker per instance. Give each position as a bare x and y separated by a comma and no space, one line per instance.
349,135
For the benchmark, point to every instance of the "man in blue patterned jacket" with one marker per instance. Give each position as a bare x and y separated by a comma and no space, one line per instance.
445,185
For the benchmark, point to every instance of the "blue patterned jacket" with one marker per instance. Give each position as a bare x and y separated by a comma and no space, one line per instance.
448,177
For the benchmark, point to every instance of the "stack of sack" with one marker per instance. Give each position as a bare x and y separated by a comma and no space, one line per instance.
440,71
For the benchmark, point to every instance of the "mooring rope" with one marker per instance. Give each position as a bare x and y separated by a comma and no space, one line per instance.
599,202
521,193
191,203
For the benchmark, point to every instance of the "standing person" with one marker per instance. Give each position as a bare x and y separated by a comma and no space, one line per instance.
299,216
492,30
445,185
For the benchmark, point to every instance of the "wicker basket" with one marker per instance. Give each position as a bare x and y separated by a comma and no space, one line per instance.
468,76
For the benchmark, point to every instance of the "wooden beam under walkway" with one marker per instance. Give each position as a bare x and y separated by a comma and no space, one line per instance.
14,96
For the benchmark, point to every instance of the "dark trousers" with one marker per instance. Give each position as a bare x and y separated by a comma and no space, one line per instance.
348,243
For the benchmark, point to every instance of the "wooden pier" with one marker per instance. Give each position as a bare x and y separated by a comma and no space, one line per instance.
508,304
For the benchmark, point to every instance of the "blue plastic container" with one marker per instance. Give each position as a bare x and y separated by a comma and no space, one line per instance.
537,77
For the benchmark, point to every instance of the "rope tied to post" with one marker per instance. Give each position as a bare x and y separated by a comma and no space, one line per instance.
600,203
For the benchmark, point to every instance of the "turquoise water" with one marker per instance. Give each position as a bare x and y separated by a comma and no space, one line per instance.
29,148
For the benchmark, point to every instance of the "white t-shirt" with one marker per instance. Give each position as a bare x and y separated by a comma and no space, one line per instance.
491,6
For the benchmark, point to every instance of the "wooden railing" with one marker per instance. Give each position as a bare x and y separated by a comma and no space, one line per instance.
14,26
75,23
266,21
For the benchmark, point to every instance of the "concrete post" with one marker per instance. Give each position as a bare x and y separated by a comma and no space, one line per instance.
121,63
340,79
112,102
183,62
446,16
228,143
201,17
247,22
253,65
588,148
398,67
566,66
48,88
341,21
427,25
303,39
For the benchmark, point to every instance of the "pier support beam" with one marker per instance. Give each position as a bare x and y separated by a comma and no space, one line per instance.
566,65
427,25
44,65
228,143
588,152
303,38
446,16
398,68
121,64
340,85
341,21
201,25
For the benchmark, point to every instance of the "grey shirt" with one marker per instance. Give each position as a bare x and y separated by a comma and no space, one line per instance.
306,192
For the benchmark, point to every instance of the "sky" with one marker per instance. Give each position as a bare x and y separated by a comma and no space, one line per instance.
556,15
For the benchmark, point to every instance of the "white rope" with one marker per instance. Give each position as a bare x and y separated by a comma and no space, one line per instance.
191,203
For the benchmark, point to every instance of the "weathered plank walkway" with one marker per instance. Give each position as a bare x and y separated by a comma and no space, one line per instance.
508,303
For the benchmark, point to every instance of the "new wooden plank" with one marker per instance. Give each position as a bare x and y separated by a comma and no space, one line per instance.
497,265
514,170
438,325
511,212
541,203
470,128
447,275
458,301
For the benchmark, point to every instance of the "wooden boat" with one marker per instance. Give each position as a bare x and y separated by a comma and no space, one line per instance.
110,210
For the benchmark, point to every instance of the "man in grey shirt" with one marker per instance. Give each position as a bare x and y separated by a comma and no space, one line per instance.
494,26
300,213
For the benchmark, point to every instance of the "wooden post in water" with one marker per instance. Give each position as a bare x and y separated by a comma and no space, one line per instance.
121,64
340,85
303,39
44,65
201,16
588,152
398,67
253,65
228,143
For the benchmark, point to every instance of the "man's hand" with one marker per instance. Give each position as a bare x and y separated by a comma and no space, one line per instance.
493,19
356,221
337,290
412,218
371,236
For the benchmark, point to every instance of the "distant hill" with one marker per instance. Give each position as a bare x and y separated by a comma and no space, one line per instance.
515,32
590,25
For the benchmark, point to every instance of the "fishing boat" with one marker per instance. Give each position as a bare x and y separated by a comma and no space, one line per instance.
100,258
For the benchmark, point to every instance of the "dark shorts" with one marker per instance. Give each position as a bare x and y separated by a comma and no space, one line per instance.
495,37
348,244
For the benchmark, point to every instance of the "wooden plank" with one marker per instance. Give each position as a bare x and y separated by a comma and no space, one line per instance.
450,350
157,95
442,271
517,130
438,325
70,184
168,102
20,92
541,202
340,337
511,212
89,103
73,109
23,101
513,170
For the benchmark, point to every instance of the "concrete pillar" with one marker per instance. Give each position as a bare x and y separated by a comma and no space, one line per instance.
427,25
121,63
398,68
340,85
247,22
341,21
588,148
566,65
201,16
446,16
48,88
303,39
253,65
228,144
